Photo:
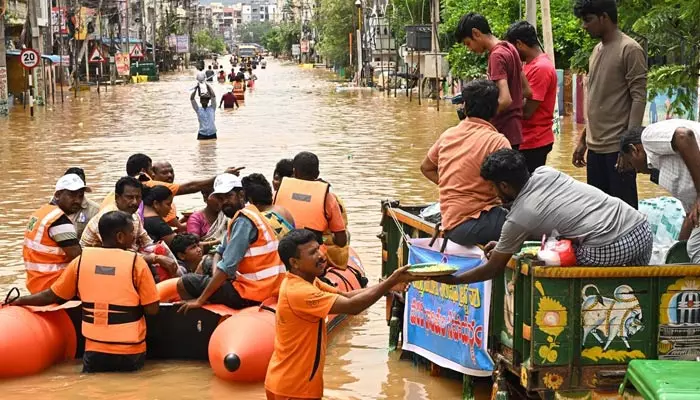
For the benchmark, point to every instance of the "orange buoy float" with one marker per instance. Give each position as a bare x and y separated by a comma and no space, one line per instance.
167,290
241,347
33,339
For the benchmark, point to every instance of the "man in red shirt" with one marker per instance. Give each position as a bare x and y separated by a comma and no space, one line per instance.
505,68
229,100
538,111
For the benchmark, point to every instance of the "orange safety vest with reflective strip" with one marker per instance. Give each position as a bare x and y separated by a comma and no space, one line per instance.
261,270
239,91
306,201
112,311
44,260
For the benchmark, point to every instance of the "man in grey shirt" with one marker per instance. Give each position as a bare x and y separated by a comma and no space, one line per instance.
605,230
616,98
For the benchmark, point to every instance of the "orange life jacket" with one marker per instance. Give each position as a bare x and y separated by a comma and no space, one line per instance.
261,270
44,260
239,90
306,200
112,311
337,256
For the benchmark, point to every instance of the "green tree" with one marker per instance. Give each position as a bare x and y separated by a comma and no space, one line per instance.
670,31
204,40
280,38
334,24
255,32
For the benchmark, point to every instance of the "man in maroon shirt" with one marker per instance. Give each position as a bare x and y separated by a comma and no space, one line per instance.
538,111
505,68
229,100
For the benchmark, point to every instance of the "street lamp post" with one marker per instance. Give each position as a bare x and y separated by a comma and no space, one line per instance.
358,4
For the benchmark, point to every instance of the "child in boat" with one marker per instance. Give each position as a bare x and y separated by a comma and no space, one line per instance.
186,248
104,278
296,368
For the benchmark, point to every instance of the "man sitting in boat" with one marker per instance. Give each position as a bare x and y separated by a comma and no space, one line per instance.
127,199
140,166
283,169
117,289
50,239
470,208
296,368
311,203
247,269
163,171
605,230
258,191
87,210
337,256
670,151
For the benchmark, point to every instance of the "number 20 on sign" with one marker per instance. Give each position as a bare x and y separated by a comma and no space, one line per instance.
29,58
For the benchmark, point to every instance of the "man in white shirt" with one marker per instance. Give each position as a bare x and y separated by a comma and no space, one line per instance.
670,151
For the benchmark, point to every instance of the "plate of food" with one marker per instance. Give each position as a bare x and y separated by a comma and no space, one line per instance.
431,269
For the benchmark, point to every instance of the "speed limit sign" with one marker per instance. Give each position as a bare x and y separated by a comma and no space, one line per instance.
29,58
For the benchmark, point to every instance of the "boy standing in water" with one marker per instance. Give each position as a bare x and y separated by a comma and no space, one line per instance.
296,368
206,113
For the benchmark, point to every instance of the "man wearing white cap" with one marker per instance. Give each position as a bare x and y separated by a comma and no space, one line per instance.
247,258
50,240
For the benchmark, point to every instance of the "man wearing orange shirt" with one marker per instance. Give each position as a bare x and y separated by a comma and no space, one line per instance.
296,368
116,288
470,208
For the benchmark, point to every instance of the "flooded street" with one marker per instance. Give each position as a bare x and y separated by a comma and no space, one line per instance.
370,148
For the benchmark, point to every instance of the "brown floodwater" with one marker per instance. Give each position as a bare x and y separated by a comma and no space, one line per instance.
370,147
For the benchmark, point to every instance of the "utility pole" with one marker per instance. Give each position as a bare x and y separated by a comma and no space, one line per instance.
436,46
153,30
531,12
4,107
36,45
142,26
547,29
128,26
549,49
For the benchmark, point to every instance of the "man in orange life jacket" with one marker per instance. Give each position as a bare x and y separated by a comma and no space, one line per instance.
310,201
50,240
247,258
116,289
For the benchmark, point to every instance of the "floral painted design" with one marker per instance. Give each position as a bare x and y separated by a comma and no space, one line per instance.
552,381
551,318
549,352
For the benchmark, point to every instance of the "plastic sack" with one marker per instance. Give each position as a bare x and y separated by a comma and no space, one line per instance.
556,252
431,213
159,273
665,216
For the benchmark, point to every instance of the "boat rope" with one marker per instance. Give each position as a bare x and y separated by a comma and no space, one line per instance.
404,237
9,300
267,308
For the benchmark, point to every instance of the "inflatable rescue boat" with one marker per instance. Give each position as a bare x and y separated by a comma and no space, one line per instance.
237,343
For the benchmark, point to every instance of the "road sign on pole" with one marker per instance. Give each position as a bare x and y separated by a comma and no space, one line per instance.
29,58
136,51
96,56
